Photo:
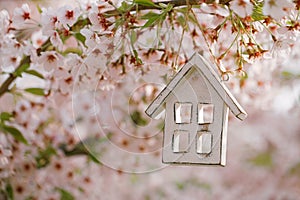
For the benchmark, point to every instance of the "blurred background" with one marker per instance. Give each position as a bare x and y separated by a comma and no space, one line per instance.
263,157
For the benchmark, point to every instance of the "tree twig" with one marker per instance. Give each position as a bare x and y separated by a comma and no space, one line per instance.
5,86
175,3
12,76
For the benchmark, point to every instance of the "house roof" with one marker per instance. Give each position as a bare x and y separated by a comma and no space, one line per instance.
202,66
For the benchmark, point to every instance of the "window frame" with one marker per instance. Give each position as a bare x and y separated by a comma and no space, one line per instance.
201,134
191,112
178,132
212,113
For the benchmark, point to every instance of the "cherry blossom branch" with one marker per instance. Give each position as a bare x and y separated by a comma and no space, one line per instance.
12,76
175,3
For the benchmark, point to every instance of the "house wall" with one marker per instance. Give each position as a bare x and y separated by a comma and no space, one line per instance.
193,88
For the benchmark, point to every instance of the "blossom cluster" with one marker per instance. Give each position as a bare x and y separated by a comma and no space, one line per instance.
75,82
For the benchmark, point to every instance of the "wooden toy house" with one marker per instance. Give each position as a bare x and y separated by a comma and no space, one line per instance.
196,105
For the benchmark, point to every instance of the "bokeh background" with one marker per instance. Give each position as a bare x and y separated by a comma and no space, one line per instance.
263,157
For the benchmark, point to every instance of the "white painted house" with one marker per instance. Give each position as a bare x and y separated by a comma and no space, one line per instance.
196,105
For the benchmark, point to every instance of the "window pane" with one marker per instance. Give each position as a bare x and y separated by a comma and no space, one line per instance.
205,113
183,113
204,142
180,141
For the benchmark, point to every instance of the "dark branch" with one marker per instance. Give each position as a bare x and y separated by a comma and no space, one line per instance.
4,87
12,76
175,3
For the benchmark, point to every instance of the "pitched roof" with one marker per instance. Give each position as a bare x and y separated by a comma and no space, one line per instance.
202,66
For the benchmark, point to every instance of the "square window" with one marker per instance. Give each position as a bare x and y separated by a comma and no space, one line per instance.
183,113
204,142
180,141
205,113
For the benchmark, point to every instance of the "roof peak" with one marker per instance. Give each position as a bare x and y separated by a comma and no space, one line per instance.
203,67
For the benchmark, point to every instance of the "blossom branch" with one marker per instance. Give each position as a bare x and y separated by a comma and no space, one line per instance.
12,76
175,3
4,87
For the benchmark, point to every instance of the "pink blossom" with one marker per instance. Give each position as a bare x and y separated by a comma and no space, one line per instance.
99,22
68,16
4,156
242,8
56,40
38,39
49,21
4,22
51,60
91,38
276,8
21,15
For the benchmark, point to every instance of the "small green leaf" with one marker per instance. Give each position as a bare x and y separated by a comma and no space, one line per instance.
15,133
80,37
180,185
34,73
287,75
263,159
138,119
295,169
5,116
36,91
9,192
133,37
168,8
39,9
125,7
94,158
65,195
43,159
150,15
152,21
86,147
257,13
72,50
181,20
148,3
21,69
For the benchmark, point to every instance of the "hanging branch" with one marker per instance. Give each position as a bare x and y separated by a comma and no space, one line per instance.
175,3
26,60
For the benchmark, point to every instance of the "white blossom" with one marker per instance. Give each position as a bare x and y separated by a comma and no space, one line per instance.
242,7
68,16
56,40
51,60
21,15
276,8
49,21
4,22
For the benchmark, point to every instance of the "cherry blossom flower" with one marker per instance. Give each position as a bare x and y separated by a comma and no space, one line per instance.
21,15
51,60
242,7
96,59
92,92
68,16
9,63
38,39
23,110
56,40
49,21
99,22
276,9
4,22
91,38
4,156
